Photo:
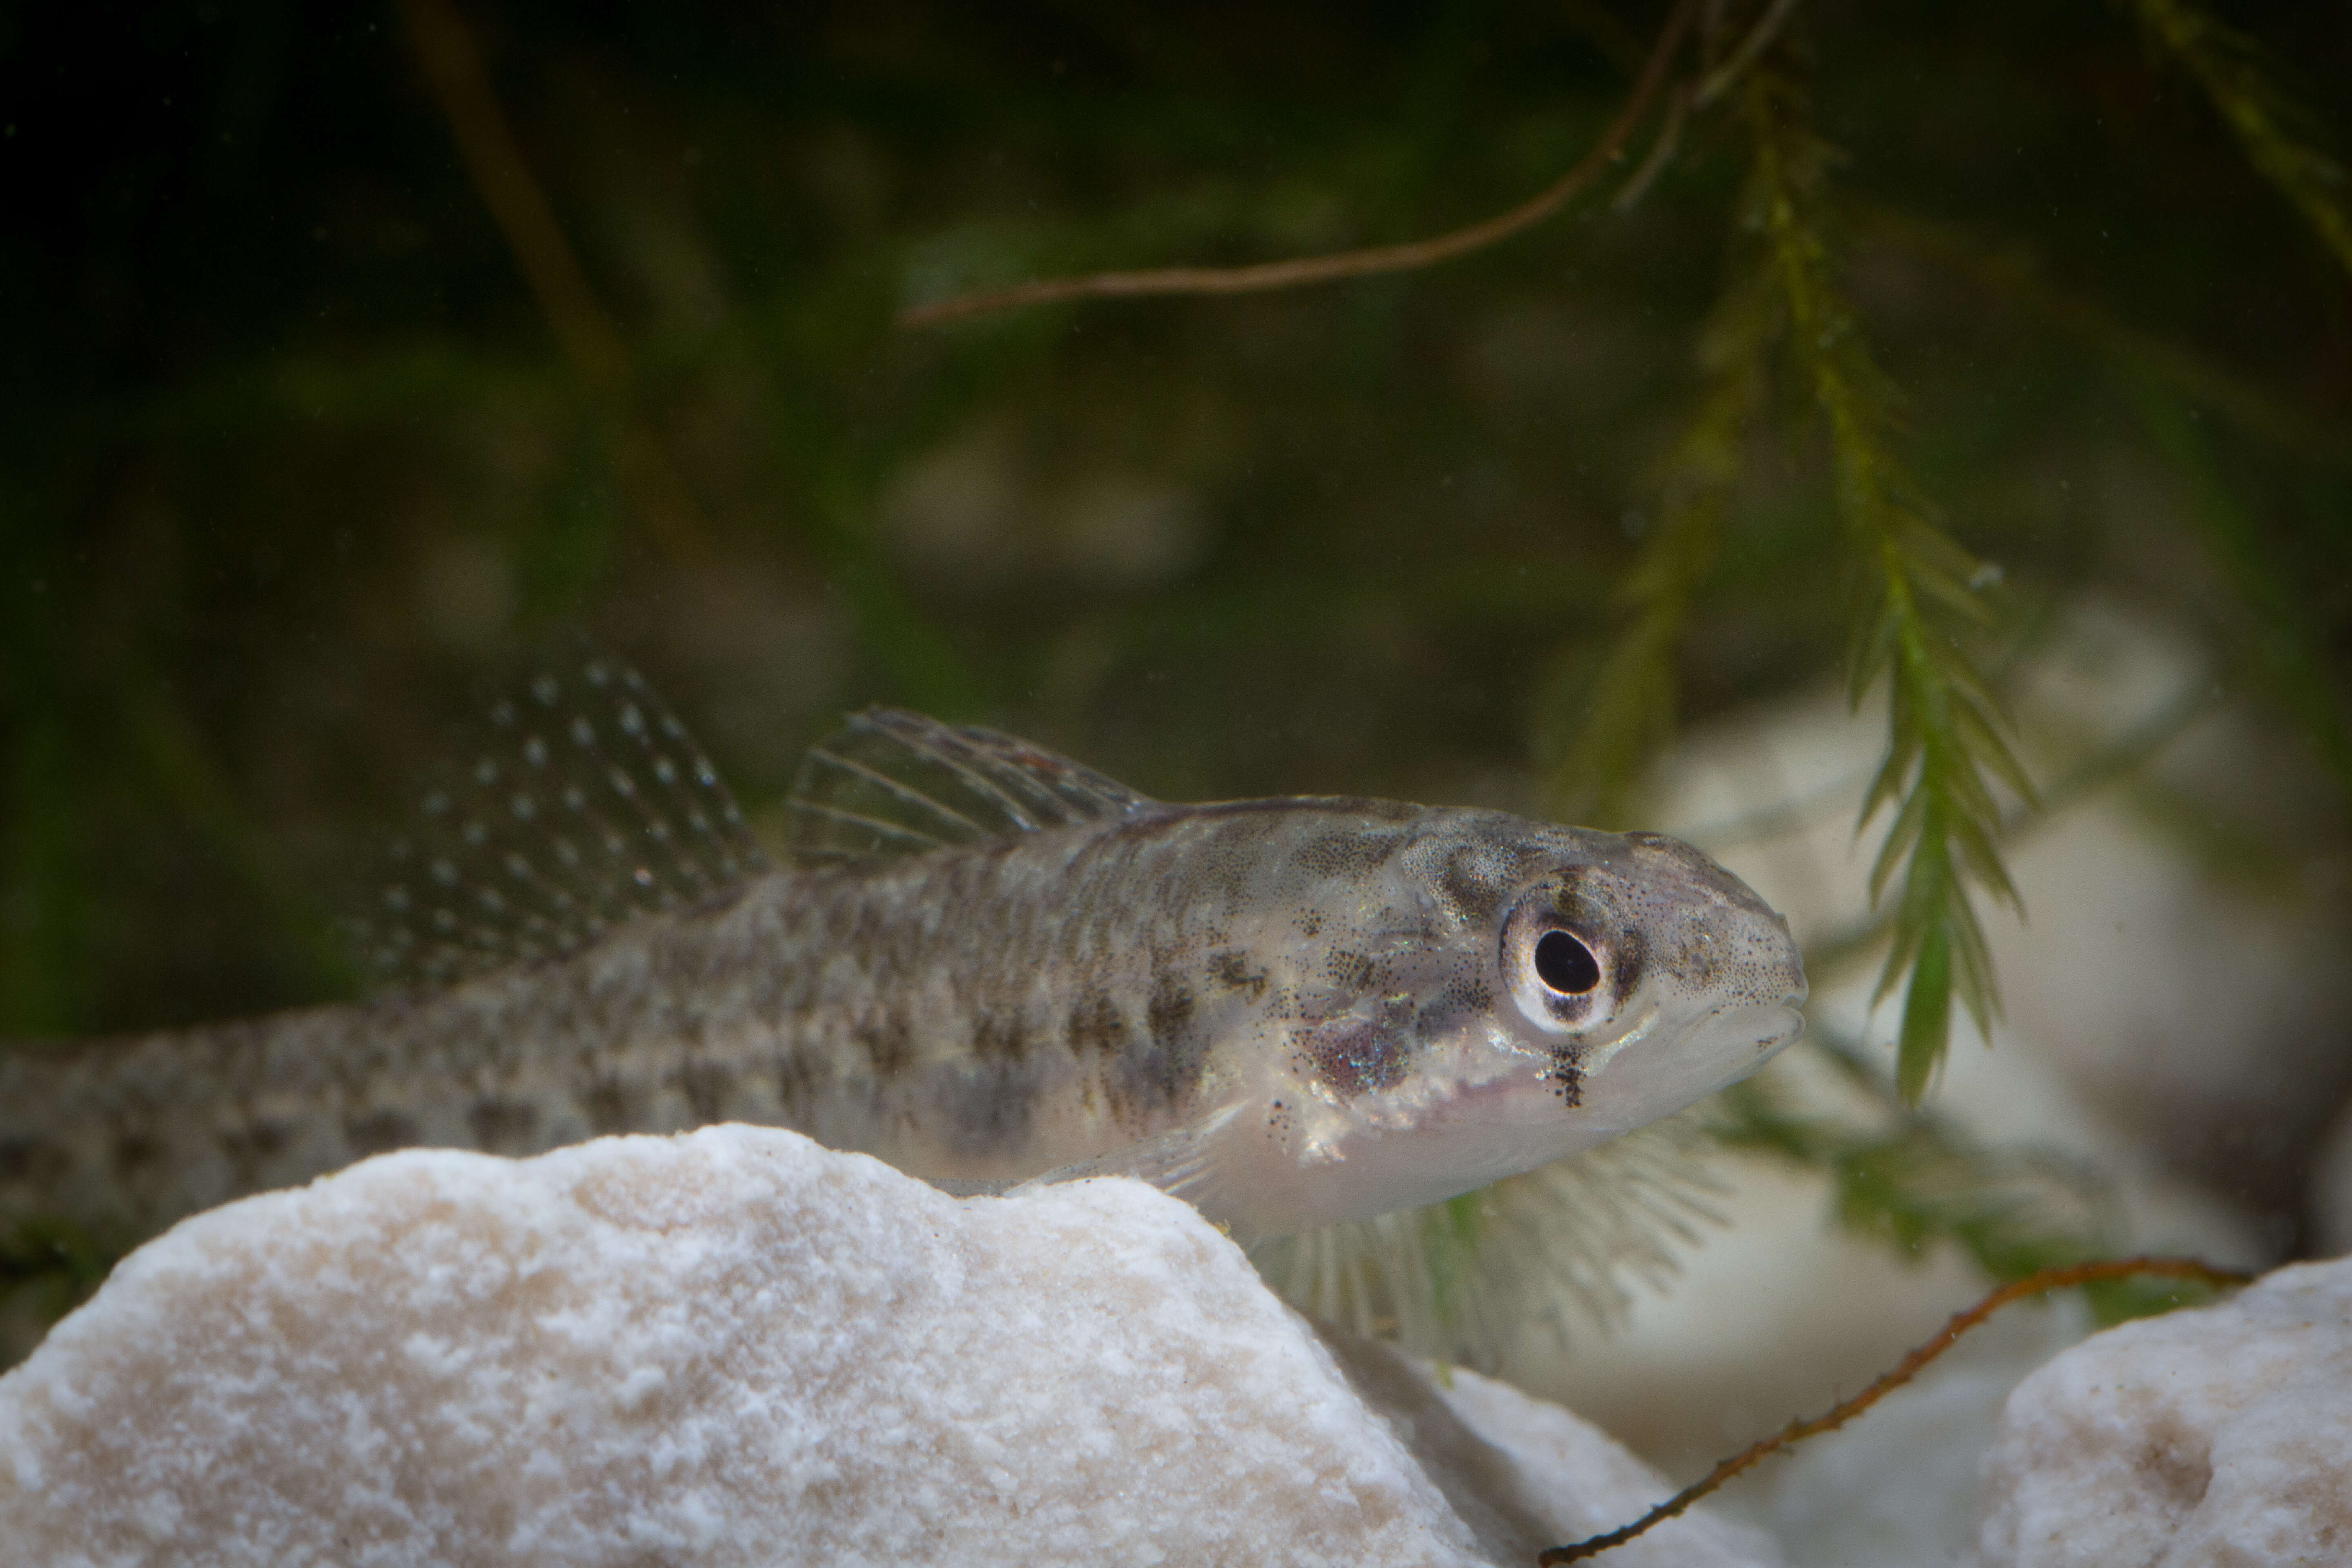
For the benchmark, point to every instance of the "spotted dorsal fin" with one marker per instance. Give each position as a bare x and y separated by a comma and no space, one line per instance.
581,804
893,783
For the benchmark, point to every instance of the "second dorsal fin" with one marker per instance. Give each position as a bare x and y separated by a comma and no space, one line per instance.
895,782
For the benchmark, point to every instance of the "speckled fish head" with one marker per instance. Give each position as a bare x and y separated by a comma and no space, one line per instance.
1532,991
1648,974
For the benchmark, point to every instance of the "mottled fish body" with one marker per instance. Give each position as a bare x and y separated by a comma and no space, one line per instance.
990,965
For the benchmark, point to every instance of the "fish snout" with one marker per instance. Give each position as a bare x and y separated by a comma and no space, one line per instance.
1771,968
1751,959
1771,990
1794,990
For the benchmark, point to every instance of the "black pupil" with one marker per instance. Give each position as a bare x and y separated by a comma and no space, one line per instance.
1566,964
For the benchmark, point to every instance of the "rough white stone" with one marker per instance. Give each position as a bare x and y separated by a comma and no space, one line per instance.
733,1347
2221,1437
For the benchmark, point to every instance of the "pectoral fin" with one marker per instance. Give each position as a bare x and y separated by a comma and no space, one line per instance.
1558,1250
1192,1162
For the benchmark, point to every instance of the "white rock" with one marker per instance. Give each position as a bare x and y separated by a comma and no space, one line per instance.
734,1347
2217,1437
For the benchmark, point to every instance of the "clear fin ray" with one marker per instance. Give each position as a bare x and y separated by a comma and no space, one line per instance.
1183,1161
1551,1250
894,783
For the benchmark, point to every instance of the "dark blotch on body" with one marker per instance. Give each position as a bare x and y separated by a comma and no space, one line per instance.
999,1035
1149,1077
610,1106
1350,851
1097,1025
1234,972
503,1125
378,1130
1630,956
249,1146
708,1087
1168,1013
132,1151
1469,994
886,1038
1467,885
30,1160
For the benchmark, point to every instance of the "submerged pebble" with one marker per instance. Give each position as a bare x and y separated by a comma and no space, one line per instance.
2218,1435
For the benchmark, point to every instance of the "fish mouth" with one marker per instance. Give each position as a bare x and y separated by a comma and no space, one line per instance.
1714,1051
1786,1023
1770,1025
1743,1037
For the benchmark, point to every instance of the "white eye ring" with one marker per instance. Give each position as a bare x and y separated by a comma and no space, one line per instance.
1557,977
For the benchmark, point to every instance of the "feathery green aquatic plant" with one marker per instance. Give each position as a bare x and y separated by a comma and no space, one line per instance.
1911,1181
2269,124
1916,584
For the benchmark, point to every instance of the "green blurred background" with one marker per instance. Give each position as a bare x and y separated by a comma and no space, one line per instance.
296,460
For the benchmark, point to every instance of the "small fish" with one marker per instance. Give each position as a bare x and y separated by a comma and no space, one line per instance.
984,964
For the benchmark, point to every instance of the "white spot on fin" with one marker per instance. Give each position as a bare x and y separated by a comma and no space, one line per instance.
894,783
623,818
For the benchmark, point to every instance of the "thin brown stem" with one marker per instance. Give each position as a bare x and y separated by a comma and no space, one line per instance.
1661,153
1305,269
2009,271
452,68
1749,48
1904,1371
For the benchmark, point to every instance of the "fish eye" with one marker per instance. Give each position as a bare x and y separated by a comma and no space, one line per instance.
1565,965
1555,961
